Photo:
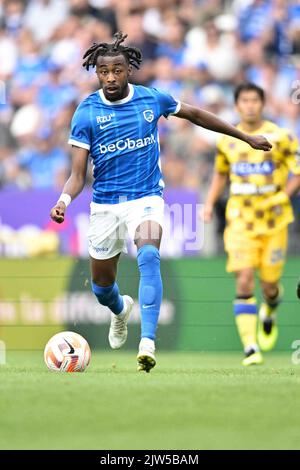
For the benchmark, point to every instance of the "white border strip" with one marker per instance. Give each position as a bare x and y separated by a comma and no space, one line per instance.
123,101
178,107
79,144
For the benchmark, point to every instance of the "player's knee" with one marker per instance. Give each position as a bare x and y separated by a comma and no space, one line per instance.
245,284
244,290
270,290
148,257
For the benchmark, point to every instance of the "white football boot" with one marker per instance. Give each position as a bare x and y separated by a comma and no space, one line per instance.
118,325
146,358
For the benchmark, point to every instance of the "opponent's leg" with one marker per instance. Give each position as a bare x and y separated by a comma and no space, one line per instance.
147,240
245,310
271,267
107,292
267,328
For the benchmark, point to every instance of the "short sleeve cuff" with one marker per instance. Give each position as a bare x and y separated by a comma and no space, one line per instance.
82,145
178,107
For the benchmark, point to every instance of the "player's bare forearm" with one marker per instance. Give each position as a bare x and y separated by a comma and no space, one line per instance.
217,186
210,121
74,184
293,185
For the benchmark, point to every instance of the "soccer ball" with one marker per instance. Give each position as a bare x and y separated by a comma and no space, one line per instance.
67,352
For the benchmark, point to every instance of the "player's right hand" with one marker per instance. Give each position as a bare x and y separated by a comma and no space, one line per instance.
206,213
259,142
58,212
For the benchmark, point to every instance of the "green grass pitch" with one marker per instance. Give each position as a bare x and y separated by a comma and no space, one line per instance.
189,401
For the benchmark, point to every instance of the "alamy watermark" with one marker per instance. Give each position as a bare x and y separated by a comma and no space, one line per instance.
296,354
182,224
295,95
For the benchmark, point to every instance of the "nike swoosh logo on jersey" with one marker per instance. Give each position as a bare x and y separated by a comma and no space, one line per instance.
148,306
103,127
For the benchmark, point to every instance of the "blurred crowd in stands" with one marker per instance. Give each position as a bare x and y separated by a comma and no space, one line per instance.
195,49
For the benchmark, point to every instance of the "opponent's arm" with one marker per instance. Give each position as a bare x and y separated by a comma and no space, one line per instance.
210,121
74,184
216,188
292,159
293,185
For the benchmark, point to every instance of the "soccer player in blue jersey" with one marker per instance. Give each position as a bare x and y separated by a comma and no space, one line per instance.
117,127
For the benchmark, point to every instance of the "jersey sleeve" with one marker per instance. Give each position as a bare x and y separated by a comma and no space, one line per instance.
291,152
167,104
80,127
221,161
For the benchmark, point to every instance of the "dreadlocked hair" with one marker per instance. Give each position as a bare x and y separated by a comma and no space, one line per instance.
132,54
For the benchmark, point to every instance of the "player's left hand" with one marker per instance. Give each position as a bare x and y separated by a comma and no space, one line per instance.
259,142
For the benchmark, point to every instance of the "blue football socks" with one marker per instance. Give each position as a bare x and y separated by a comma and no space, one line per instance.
109,296
150,289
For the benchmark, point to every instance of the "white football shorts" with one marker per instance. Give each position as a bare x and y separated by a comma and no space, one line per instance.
110,224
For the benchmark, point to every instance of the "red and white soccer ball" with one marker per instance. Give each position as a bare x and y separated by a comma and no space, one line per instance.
67,352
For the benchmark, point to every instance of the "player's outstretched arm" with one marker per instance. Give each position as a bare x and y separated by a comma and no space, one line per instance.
74,184
210,121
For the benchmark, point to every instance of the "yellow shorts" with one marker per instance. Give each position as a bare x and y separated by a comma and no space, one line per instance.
265,253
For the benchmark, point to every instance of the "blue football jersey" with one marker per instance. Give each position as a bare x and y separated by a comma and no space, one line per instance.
123,141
